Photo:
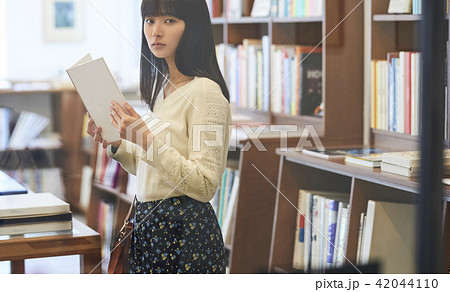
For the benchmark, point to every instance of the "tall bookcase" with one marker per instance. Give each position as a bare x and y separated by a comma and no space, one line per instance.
383,33
339,31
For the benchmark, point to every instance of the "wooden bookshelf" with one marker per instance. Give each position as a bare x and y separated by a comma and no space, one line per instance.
342,56
300,171
67,111
342,69
389,33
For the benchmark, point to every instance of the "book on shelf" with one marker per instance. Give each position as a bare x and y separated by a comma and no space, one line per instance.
296,83
400,170
395,92
97,88
330,153
400,6
27,128
299,8
372,160
370,157
105,223
107,169
215,7
6,119
362,224
238,8
86,186
318,234
231,205
389,236
41,180
224,201
407,163
339,152
410,158
31,204
408,6
261,8
9,186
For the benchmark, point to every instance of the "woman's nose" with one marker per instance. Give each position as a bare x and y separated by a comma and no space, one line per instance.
156,30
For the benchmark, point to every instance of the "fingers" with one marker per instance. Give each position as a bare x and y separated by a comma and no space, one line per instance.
114,121
105,144
131,110
119,110
98,136
91,127
115,115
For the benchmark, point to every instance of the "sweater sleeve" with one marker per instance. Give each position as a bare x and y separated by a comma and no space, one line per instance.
125,155
199,174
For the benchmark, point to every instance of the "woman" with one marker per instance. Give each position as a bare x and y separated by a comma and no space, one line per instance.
180,159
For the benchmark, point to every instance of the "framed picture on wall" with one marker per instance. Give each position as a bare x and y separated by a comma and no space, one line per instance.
63,20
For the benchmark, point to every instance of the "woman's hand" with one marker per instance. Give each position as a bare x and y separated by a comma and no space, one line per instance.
96,132
130,125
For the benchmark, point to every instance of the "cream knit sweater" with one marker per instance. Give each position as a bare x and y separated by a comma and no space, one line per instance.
189,152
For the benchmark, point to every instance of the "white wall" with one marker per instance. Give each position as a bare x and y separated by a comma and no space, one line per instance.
3,58
29,57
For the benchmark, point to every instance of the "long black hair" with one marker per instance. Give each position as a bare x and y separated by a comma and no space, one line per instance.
195,54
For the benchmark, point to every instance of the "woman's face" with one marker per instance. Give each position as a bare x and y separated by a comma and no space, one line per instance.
163,34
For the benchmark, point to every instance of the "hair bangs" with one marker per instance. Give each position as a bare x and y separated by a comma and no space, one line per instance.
154,8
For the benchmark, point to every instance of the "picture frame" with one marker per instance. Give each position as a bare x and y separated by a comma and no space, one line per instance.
63,20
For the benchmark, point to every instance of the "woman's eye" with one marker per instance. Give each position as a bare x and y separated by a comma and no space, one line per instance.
170,20
148,20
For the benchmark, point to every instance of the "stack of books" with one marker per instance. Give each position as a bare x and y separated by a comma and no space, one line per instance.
38,212
407,163
370,157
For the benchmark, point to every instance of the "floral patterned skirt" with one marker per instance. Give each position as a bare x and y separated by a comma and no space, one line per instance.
176,235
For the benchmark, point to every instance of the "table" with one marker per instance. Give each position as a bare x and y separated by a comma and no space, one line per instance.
81,240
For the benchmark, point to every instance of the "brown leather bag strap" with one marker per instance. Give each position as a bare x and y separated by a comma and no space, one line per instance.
129,216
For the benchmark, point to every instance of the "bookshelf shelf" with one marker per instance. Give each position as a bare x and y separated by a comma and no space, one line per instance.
104,188
59,148
373,175
244,20
285,119
217,20
400,17
297,19
386,139
397,17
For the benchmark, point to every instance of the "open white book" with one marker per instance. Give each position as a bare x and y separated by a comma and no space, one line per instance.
97,88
